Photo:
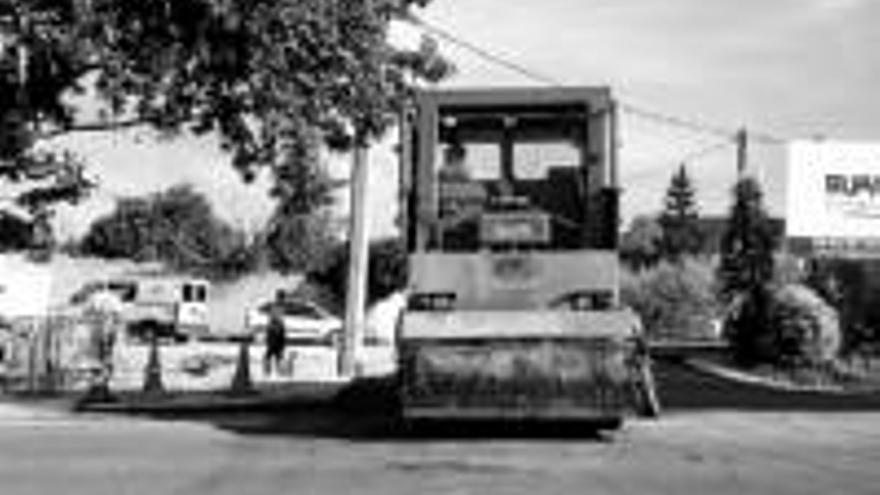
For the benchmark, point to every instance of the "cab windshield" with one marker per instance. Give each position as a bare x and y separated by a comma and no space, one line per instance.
510,178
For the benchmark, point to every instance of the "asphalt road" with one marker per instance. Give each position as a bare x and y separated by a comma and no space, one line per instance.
696,452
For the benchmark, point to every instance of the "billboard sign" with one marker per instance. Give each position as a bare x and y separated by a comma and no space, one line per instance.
834,193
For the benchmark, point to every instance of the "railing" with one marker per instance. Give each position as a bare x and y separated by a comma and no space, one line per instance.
52,353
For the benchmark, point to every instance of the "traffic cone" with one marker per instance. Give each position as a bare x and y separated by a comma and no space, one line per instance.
153,370
241,380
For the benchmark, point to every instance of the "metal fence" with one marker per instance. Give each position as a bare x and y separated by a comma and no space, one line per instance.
43,355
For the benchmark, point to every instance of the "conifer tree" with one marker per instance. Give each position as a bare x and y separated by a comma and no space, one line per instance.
748,242
679,219
745,274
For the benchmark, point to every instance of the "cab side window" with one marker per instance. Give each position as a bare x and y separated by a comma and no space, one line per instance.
195,293
188,293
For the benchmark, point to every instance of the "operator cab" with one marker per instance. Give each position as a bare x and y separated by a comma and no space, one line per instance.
499,177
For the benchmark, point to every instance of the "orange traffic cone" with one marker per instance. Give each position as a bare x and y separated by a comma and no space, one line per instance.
153,370
241,380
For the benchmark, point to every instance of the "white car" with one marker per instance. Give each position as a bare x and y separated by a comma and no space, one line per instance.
304,321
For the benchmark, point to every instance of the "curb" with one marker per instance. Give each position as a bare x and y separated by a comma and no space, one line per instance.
300,396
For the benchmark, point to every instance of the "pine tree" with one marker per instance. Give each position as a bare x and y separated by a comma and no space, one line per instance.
679,220
746,273
748,242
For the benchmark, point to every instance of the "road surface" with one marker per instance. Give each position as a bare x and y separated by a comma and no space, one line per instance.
696,452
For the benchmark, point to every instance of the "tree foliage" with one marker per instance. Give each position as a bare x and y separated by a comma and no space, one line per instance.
277,80
678,221
640,245
15,233
807,328
177,227
746,273
748,242
673,300
296,242
40,63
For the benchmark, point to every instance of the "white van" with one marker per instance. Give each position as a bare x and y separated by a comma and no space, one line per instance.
169,306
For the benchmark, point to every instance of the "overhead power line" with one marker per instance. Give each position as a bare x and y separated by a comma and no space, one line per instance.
482,52
707,150
636,110
688,158
675,121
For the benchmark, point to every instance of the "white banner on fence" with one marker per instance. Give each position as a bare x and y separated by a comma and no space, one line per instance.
833,190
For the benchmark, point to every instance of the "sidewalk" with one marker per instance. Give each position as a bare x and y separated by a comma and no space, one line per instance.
15,411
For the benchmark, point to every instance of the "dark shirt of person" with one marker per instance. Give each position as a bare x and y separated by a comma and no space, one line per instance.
275,341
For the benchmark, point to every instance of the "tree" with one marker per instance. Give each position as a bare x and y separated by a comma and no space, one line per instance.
40,63
276,79
297,242
176,226
681,231
640,245
16,233
746,273
748,242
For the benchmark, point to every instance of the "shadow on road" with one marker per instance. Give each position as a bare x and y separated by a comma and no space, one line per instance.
373,426
367,412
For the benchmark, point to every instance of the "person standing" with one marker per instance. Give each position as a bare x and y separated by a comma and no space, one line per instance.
275,342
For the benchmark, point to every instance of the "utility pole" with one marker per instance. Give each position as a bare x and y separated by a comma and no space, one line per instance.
742,153
358,253
613,117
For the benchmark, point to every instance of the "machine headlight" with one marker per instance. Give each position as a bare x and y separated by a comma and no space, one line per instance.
432,301
598,300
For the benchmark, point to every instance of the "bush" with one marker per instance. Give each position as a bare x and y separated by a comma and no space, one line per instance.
674,300
807,328
783,325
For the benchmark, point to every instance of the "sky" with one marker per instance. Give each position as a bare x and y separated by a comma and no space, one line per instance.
790,69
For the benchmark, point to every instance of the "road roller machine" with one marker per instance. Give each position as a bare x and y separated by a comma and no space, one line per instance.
510,212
